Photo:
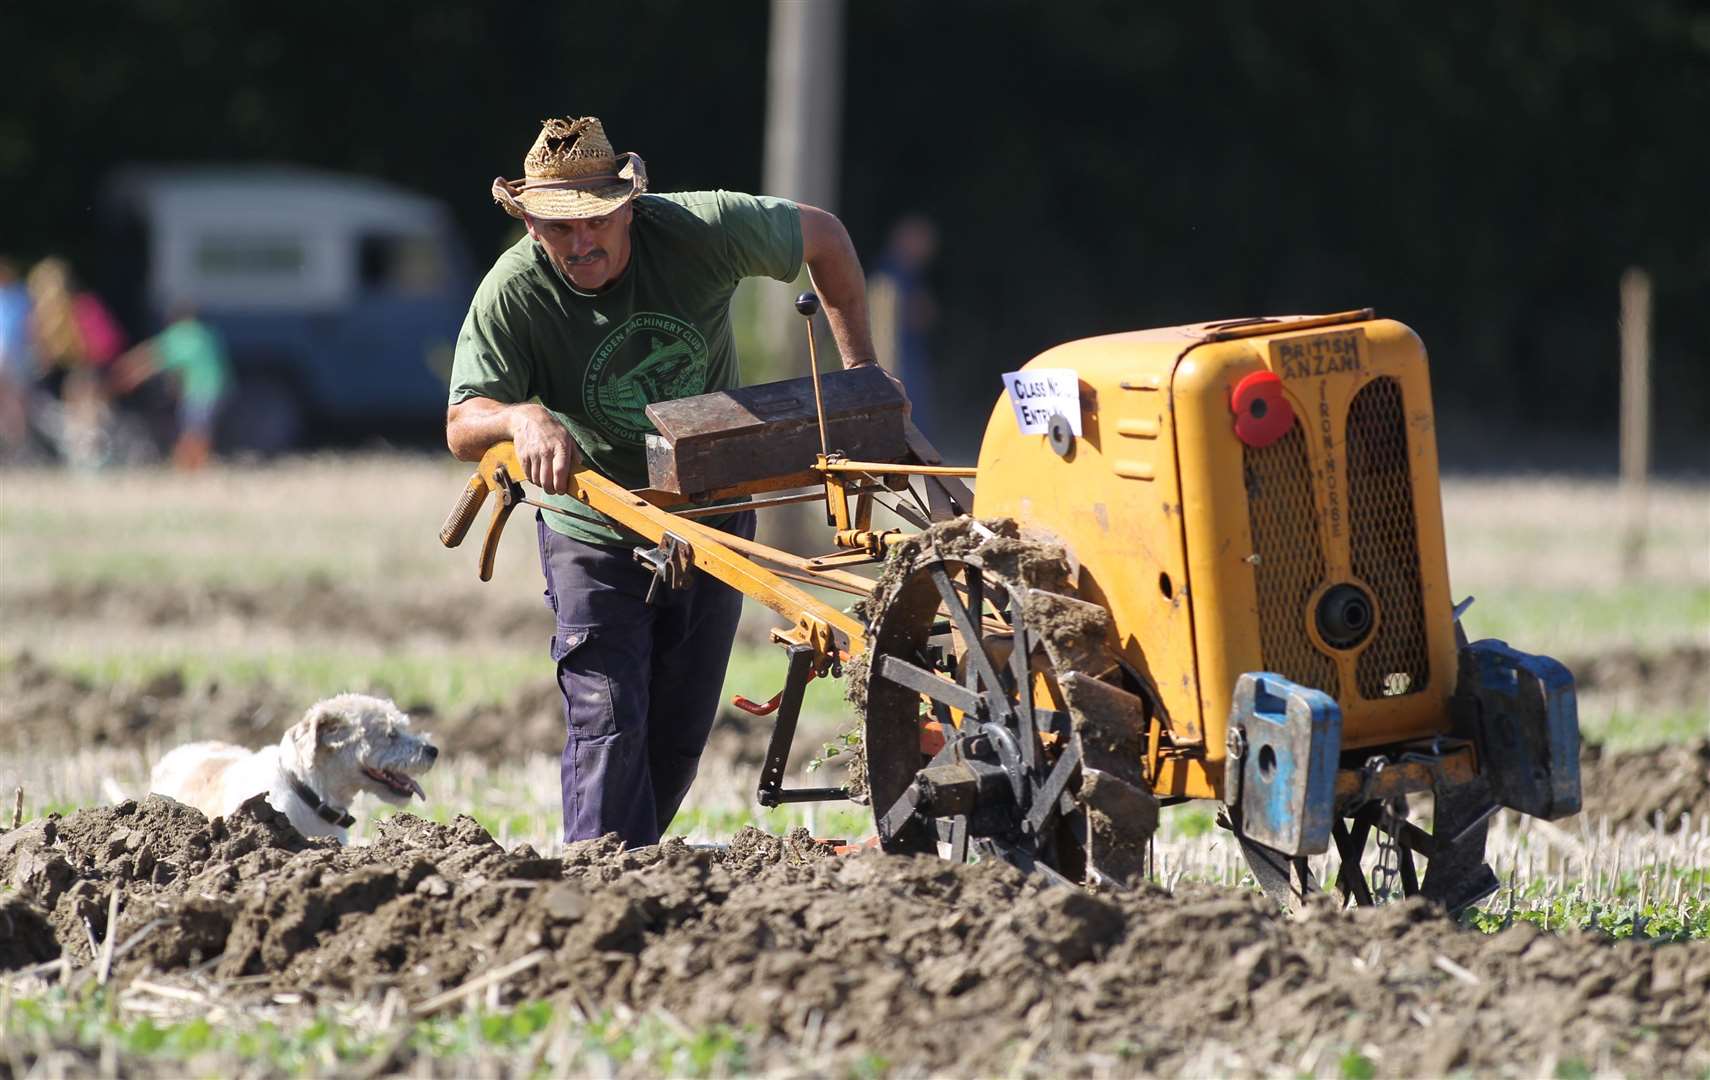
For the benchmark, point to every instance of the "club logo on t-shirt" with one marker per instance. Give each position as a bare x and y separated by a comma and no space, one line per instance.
650,357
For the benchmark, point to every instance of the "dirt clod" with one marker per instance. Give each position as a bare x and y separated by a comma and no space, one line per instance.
1658,787
938,968
26,936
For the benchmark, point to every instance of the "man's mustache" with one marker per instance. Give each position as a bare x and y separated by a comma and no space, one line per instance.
578,260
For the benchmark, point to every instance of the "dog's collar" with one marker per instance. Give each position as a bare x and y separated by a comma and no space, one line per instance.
324,810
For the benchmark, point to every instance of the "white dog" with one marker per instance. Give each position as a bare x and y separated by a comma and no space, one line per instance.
341,747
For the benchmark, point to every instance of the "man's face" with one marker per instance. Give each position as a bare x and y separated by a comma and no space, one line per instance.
591,252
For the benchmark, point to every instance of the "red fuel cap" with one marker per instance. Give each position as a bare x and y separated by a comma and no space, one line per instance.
1262,412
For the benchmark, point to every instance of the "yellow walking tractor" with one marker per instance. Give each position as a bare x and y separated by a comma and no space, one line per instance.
1200,562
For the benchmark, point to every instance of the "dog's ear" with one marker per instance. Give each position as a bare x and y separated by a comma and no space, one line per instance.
327,727
320,726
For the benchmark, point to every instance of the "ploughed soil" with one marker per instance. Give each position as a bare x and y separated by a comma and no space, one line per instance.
47,711
1654,787
317,601
43,710
933,967
962,969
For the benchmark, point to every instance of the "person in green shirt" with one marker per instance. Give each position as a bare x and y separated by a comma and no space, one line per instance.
614,299
190,352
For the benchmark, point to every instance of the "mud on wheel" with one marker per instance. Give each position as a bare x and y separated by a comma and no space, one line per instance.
995,717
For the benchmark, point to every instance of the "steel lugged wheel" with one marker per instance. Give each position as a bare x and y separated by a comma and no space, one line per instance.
1455,876
993,718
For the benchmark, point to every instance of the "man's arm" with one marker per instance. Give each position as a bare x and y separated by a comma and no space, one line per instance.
836,273
544,447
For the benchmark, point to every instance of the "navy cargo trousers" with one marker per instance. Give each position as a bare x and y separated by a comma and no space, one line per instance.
641,682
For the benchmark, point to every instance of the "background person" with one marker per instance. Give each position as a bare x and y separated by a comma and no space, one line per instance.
905,313
74,338
17,359
191,352
615,299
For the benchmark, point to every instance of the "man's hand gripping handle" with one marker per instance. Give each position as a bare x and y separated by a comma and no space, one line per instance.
498,472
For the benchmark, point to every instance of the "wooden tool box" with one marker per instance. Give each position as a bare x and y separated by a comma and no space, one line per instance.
769,432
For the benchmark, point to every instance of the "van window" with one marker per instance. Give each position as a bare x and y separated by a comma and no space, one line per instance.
273,257
397,263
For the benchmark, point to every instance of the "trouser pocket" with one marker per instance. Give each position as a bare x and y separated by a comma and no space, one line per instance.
605,775
586,682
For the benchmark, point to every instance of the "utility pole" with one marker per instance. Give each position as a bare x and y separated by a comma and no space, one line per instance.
1635,415
804,133
804,109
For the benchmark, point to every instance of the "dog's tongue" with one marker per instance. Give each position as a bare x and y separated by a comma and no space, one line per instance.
398,781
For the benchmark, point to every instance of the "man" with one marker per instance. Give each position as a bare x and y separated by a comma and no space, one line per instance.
904,312
617,298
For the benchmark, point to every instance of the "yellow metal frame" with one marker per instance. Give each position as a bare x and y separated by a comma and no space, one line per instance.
829,632
1151,501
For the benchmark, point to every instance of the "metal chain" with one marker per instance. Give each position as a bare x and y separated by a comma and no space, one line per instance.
1385,875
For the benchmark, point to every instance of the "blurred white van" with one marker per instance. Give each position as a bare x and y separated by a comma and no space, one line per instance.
339,297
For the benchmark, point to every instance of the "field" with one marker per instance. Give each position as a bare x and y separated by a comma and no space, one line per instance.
462,938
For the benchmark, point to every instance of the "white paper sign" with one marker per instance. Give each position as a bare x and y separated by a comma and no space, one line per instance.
1040,393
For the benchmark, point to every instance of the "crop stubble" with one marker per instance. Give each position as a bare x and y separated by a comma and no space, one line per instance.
965,969
43,711
947,968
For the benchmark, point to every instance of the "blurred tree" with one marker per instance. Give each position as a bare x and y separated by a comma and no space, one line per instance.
1483,173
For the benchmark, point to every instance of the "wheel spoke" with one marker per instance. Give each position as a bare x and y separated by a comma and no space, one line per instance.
1046,799
938,689
1412,838
997,702
973,585
975,582
897,828
1409,875
1351,877
1021,671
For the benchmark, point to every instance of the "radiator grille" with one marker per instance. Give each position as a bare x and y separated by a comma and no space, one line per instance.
1384,543
1284,522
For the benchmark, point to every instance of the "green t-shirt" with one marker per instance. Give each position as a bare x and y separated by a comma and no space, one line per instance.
661,331
191,351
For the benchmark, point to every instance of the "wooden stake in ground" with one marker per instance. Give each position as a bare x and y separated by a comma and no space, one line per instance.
18,807
1635,414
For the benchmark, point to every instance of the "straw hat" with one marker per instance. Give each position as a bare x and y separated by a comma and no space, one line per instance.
572,172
